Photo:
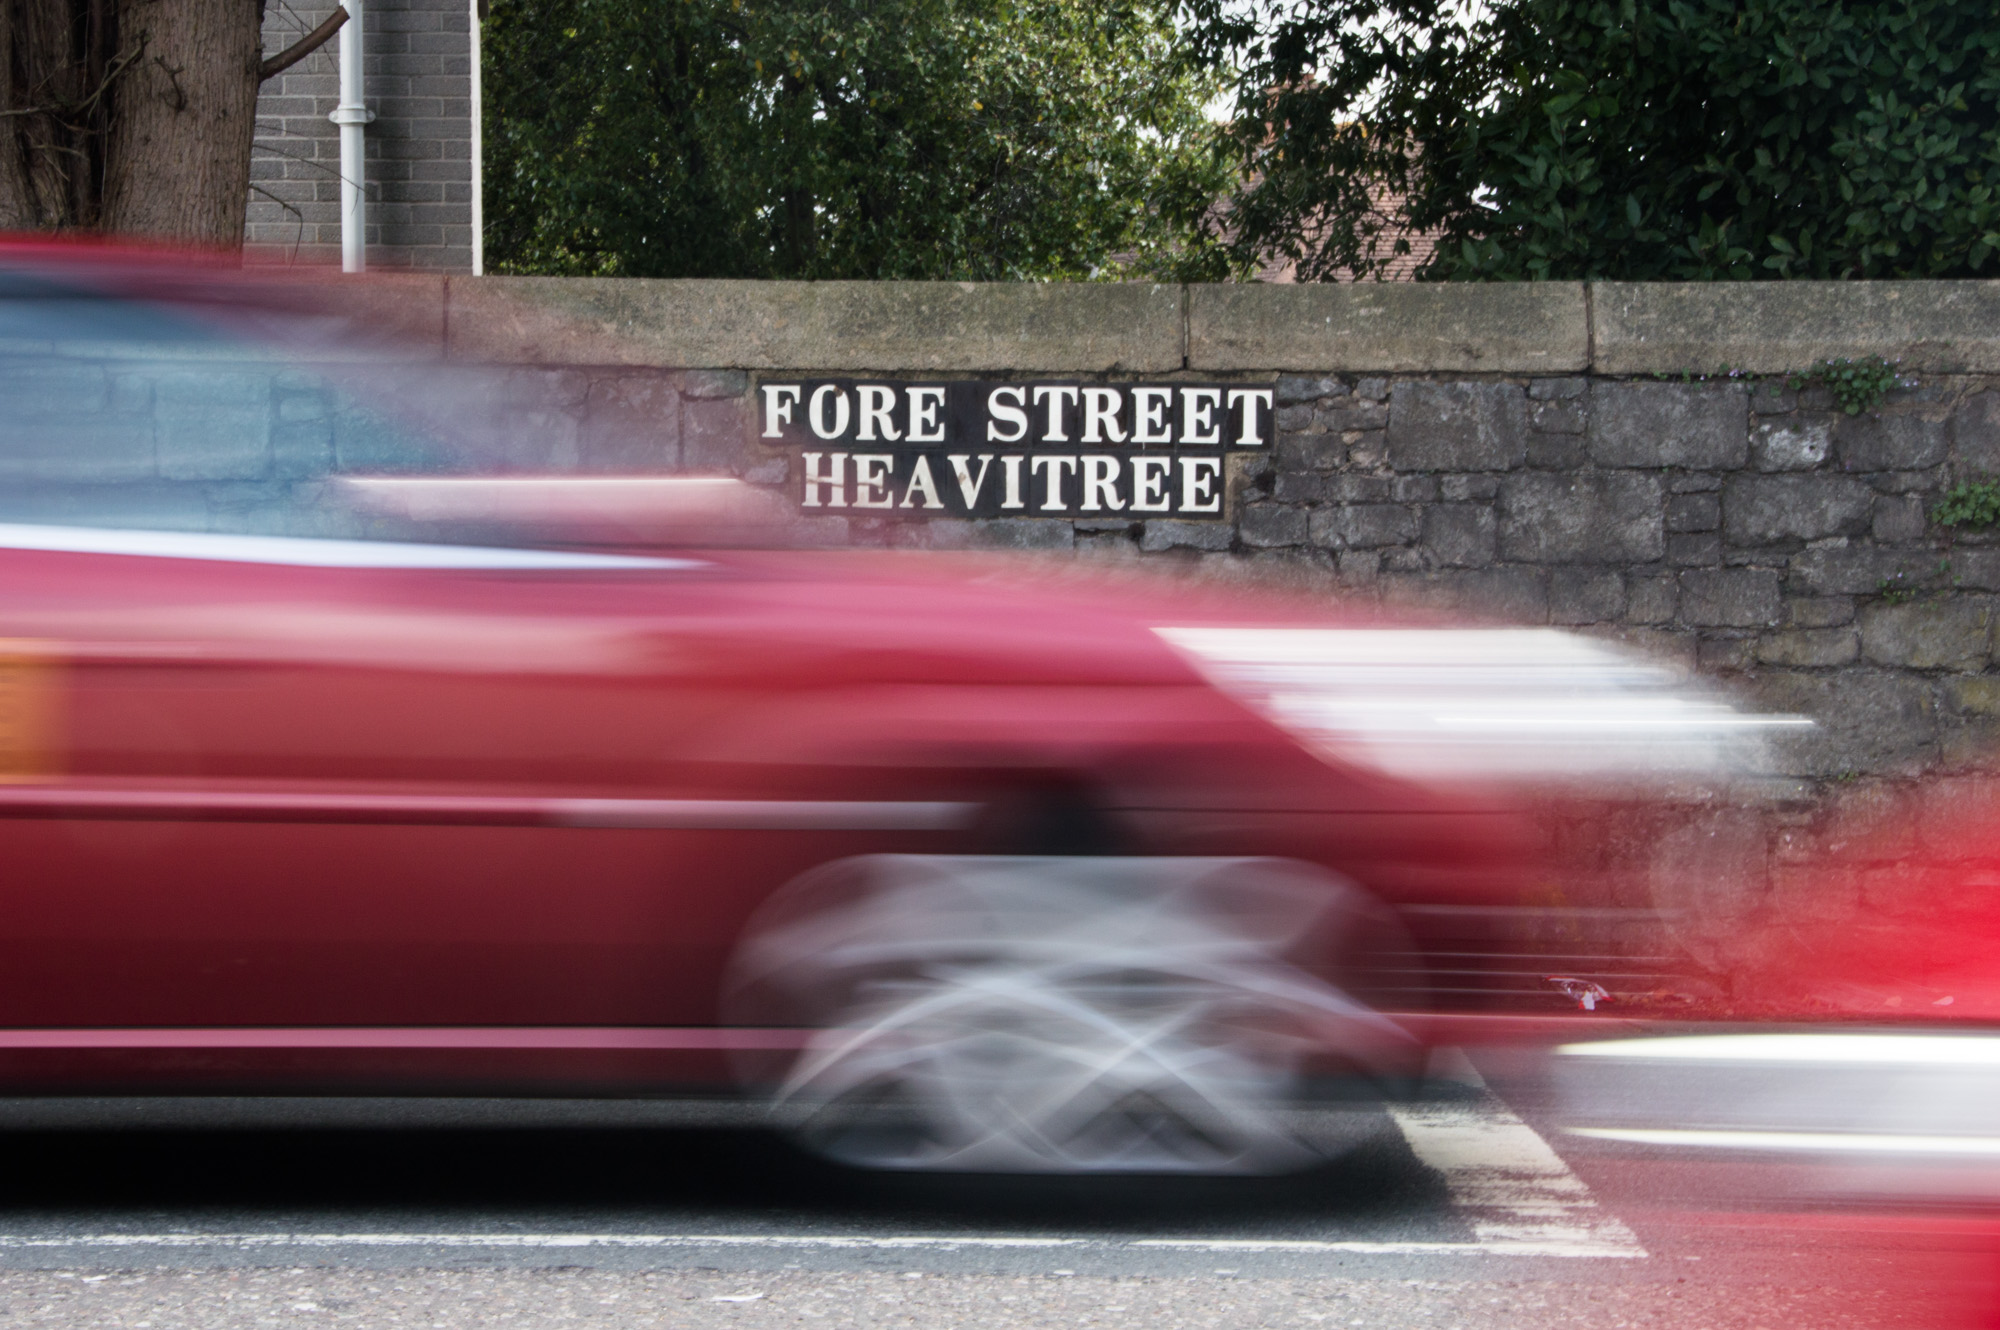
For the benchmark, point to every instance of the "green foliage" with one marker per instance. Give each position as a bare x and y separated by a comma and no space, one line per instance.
969,139
1858,385
1632,139
1969,503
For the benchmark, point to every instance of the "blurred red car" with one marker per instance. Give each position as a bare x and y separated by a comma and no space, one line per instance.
971,865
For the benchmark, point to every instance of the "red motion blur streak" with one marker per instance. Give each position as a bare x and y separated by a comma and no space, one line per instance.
74,801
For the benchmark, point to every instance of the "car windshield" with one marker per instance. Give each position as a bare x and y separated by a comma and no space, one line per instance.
238,412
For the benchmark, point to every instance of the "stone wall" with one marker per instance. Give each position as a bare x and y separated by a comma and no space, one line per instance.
419,172
1623,460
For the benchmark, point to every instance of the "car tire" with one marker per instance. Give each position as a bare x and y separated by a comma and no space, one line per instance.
1066,1015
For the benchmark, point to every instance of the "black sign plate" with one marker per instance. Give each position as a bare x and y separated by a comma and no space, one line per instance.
982,449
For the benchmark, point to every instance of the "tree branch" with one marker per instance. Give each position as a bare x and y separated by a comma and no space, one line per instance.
303,47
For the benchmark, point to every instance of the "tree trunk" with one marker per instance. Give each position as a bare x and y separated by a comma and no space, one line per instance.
57,58
177,162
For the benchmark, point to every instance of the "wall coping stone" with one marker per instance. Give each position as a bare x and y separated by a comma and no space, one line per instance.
923,327
1773,327
1513,327
1550,328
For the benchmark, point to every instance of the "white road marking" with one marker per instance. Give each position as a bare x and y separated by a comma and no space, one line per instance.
568,1241
1518,1195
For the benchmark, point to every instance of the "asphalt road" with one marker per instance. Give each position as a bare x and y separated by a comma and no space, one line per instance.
1466,1210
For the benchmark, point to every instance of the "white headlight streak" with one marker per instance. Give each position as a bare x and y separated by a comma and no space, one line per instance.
1474,703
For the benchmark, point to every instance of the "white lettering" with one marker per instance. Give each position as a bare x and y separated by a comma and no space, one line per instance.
1100,410
1055,397
968,484
1250,435
1149,484
816,480
871,480
1149,415
1056,468
779,399
1198,422
920,479
926,425
1009,411
1100,477
1011,467
878,401
1198,477
816,412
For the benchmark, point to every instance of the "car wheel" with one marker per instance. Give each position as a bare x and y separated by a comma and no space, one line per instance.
1062,1015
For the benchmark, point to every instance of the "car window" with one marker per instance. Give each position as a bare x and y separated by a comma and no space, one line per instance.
134,414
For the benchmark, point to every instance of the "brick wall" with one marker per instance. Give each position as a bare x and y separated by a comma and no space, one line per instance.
419,168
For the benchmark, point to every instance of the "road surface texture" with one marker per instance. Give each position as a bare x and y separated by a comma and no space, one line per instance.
1453,1212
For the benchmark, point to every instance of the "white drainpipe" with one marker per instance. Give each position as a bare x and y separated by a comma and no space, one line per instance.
351,115
478,153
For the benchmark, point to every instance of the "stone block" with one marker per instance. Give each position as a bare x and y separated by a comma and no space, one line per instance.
1311,452
1725,655
1977,570
1872,441
715,435
1168,534
1307,388
1364,489
631,423
1556,390
1950,327
1805,648
1411,327
1585,595
1291,419
1860,570
1869,721
1365,525
1271,526
1730,597
212,423
713,383
301,449
1763,509
1026,533
1459,535
1602,517
1791,443
1975,436
1819,611
1974,694
1910,482
1460,489
1301,486
1899,518
1372,390
1694,512
1951,633
927,327
1456,426
1562,417
1773,398
1668,424
1343,416
1414,489
1652,598
1515,595
1556,452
